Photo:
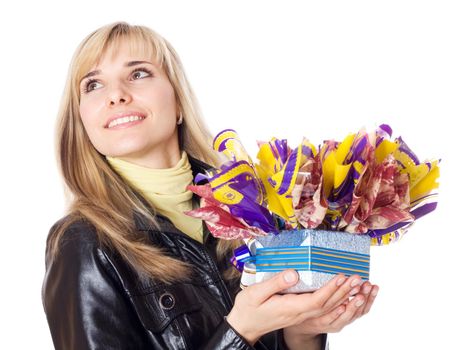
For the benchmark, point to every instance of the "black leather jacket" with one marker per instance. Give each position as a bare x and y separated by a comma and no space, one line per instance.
93,300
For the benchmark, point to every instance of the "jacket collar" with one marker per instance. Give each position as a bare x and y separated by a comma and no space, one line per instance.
141,224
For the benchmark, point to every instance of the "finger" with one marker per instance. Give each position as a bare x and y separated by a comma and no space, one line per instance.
366,289
348,297
371,299
310,304
330,296
329,318
350,287
322,295
352,293
348,315
326,320
260,292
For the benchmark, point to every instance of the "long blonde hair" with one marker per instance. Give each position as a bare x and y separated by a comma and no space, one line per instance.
95,192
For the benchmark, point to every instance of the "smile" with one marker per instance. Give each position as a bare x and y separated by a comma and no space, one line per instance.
125,120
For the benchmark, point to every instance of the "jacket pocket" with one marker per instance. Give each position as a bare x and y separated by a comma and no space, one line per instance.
159,307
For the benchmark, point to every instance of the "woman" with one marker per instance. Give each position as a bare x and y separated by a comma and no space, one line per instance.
125,268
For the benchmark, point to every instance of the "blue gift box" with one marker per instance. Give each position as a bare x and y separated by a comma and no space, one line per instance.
317,255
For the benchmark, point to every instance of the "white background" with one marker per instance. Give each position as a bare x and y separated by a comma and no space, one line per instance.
265,68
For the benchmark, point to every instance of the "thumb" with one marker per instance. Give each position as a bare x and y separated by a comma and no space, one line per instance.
264,290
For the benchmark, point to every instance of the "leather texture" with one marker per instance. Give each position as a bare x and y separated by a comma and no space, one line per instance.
94,300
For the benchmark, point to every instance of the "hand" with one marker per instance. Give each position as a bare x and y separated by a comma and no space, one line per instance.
259,310
307,332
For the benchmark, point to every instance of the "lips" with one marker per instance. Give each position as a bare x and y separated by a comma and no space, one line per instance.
123,114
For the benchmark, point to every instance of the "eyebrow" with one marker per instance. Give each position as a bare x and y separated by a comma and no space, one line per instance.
127,64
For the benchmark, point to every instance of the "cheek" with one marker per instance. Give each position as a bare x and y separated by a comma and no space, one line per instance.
89,121
161,98
87,116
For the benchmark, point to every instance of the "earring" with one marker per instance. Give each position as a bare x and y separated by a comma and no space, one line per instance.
180,120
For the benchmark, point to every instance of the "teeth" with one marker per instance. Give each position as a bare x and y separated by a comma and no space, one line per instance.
124,120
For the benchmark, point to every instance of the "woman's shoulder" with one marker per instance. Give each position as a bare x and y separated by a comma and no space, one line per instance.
75,256
71,239
74,245
74,229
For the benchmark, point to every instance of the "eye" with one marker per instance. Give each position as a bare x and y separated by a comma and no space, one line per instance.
89,85
136,73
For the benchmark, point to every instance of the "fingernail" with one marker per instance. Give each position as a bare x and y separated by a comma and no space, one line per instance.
340,281
375,291
355,282
354,291
367,289
359,302
289,277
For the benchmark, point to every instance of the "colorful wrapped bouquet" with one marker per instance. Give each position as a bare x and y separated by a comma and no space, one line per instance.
315,209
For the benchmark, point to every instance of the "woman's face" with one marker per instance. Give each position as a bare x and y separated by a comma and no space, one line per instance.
128,109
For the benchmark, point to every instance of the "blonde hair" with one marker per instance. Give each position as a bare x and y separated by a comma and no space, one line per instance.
95,192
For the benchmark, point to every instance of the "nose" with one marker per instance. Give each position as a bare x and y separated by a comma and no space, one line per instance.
118,95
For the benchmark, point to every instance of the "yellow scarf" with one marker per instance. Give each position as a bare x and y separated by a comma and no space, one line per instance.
165,189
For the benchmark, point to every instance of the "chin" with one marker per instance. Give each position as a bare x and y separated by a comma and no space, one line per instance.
127,148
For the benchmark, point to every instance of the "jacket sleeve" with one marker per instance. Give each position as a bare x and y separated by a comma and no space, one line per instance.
324,342
84,306
225,338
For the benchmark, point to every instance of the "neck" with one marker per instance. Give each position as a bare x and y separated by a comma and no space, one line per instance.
162,158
